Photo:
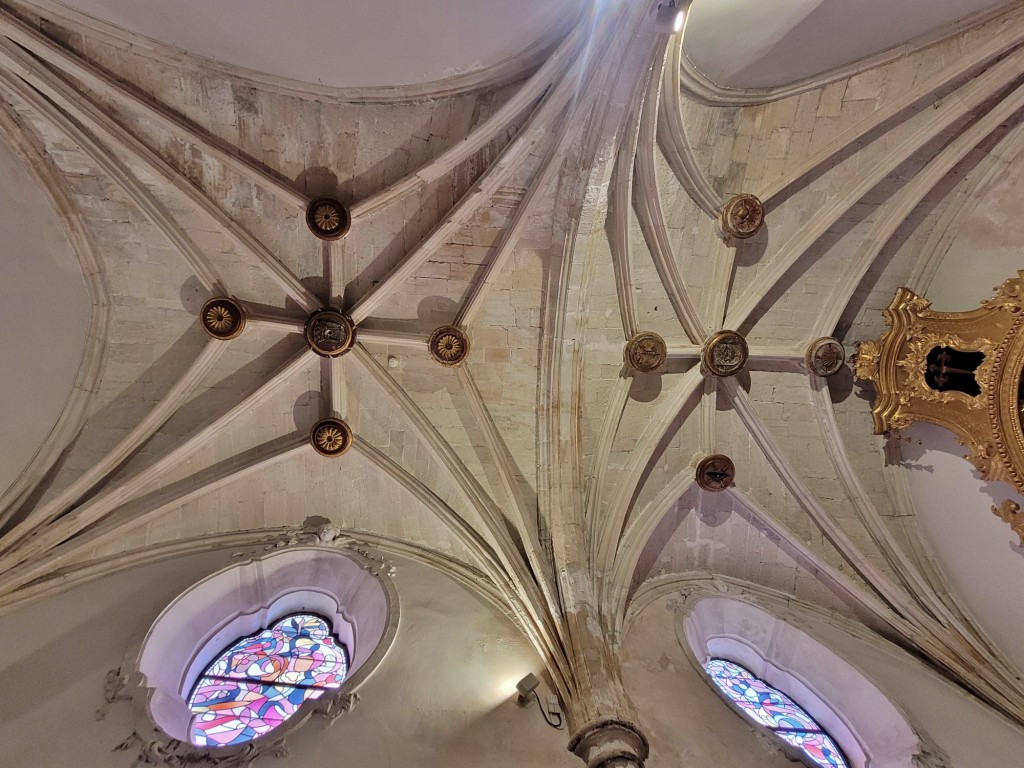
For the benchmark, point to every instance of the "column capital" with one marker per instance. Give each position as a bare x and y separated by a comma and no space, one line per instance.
610,742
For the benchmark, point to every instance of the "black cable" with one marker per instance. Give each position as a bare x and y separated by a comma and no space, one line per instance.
557,726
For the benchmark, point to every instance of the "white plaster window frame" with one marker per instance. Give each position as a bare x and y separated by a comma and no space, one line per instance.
351,590
869,728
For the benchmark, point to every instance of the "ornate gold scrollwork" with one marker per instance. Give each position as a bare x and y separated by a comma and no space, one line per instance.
917,351
1009,512
919,348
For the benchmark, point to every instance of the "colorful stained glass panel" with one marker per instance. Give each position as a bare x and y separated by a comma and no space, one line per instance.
259,682
774,710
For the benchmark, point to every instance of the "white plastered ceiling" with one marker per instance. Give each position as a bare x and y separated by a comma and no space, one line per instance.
44,315
751,44
953,503
344,44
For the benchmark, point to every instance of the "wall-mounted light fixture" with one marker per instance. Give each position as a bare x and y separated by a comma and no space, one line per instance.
670,18
527,688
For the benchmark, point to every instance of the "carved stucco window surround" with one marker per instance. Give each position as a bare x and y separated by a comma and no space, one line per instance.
345,584
870,729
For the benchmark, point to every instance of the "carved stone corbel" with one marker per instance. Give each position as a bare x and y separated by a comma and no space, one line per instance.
332,708
113,691
324,535
178,754
930,755
330,535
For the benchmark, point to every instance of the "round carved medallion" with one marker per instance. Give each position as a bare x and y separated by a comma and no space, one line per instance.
716,473
825,357
328,218
725,354
222,318
331,437
330,333
646,352
449,346
743,216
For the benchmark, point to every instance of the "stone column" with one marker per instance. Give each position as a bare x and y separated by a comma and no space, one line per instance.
602,720
610,743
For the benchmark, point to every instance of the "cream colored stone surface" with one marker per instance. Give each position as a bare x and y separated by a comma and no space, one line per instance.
552,215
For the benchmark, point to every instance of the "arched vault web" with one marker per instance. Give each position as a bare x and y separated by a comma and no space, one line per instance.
552,220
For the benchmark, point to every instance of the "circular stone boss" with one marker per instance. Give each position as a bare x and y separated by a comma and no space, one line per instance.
646,352
448,346
743,216
716,473
825,356
329,333
222,318
331,437
725,354
327,218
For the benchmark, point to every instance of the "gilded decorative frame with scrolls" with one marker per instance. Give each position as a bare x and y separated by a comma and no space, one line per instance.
989,425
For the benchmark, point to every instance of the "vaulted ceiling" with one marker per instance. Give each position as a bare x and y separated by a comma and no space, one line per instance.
552,206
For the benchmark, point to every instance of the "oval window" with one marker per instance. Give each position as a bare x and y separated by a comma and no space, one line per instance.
774,710
258,682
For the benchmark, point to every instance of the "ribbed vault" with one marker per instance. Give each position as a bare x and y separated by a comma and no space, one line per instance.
552,219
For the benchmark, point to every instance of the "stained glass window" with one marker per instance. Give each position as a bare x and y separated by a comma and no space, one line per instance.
258,682
774,710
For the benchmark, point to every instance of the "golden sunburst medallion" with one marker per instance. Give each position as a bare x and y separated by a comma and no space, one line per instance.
331,437
449,346
327,218
222,318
